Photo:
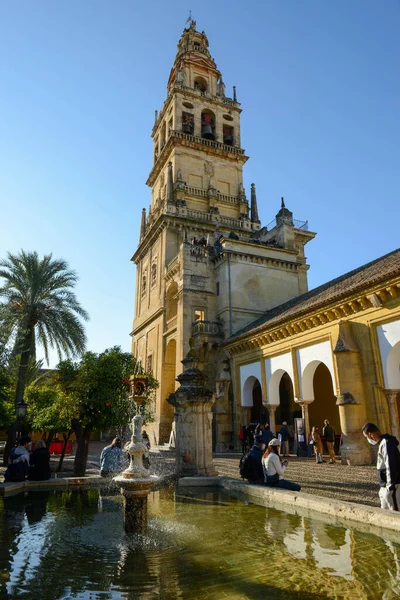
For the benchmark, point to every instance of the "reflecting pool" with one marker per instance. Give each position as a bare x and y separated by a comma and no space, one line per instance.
72,544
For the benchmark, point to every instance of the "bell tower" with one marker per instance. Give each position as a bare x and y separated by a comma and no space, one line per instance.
197,157
203,258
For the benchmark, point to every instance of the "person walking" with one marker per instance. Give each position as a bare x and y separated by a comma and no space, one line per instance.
387,464
329,433
39,462
317,443
274,470
284,433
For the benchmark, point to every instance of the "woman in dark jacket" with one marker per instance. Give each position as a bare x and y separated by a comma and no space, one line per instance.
39,463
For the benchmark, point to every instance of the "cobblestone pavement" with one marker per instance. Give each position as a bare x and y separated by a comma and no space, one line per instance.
353,484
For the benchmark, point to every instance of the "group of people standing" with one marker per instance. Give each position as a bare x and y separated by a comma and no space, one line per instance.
28,462
248,434
329,433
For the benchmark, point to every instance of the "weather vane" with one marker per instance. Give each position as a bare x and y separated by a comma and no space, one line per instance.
189,18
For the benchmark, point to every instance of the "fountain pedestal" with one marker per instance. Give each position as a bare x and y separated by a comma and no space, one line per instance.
136,481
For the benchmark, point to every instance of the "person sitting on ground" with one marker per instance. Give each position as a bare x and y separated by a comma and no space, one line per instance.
387,464
256,474
284,433
329,433
274,469
112,459
18,461
317,443
39,463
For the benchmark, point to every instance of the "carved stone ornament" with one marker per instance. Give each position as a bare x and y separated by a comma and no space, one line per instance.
209,168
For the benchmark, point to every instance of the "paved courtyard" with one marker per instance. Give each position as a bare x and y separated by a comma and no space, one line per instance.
353,484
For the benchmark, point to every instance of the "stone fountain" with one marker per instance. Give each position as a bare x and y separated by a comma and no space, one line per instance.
136,482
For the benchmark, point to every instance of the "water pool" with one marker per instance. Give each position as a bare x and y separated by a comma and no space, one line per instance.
72,544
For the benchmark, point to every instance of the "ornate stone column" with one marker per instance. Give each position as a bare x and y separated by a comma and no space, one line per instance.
193,420
271,410
391,398
351,397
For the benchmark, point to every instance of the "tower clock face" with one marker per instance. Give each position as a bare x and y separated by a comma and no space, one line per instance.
139,388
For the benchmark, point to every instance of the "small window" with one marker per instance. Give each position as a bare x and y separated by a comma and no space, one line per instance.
154,273
149,363
187,123
199,315
217,288
144,282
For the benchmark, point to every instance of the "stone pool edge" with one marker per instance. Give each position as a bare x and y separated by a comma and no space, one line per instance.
10,488
283,499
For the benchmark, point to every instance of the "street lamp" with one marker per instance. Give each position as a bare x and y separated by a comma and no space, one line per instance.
21,414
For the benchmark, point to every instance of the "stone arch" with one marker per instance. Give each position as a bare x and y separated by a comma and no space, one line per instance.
171,304
273,387
287,408
393,368
247,394
324,400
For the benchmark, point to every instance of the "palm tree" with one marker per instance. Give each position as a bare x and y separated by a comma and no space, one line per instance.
38,303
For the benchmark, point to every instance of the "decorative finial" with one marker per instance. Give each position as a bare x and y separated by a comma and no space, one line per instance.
234,93
155,116
192,22
282,202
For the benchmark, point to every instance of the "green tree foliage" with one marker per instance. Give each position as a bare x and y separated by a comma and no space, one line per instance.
38,303
98,386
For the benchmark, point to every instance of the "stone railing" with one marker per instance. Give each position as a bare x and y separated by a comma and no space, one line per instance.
295,223
199,140
193,191
185,88
206,327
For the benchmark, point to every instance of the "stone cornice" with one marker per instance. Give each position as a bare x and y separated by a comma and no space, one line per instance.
270,261
147,322
178,138
343,308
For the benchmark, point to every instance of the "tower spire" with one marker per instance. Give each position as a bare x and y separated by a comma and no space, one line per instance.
170,184
254,209
143,224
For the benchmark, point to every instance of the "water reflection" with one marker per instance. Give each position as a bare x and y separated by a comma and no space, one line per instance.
73,545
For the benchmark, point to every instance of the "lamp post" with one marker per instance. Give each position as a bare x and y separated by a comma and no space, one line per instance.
21,414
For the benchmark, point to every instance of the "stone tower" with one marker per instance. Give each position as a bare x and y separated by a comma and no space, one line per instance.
205,265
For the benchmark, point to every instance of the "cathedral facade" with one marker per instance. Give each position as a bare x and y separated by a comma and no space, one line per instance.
209,274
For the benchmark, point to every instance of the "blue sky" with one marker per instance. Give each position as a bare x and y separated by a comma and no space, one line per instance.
80,80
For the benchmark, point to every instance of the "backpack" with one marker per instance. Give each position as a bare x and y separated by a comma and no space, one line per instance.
245,466
17,467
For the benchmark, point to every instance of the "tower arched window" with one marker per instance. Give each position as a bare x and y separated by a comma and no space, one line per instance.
227,133
208,125
200,84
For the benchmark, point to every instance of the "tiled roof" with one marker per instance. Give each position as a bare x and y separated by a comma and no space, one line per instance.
378,270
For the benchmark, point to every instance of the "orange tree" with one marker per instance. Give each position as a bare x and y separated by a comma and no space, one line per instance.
98,387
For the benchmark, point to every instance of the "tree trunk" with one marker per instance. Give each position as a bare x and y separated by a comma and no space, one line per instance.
82,448
19,393
49,439
66,438
10,443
